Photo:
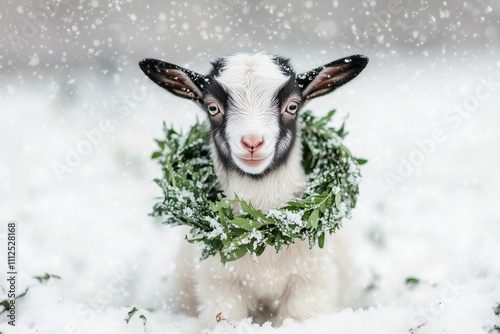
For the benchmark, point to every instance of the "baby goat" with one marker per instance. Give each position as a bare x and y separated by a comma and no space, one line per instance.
253,102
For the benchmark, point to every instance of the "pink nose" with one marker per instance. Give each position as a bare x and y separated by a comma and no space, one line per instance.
252,143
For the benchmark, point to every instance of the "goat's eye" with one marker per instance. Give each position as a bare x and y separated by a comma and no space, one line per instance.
292,107
213,109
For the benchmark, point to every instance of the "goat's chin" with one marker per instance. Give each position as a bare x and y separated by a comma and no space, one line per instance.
253,167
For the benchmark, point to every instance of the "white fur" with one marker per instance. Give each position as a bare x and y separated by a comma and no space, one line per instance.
252,81
297,282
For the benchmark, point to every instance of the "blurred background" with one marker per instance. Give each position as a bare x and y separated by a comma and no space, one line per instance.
78,119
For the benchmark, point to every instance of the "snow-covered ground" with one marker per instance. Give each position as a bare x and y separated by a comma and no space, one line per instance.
84,217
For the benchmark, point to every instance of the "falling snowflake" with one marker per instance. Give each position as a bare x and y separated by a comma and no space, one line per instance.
34,60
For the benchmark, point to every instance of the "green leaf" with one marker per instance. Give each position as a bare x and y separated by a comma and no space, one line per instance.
46,277
161,143
277,242
312,221
245,223
131,314
222,205
260,250
373,285
294,204
22,294
322,207
321,240
144,321
238,241
156,155
361,161
412,282
344,151
5,304
248,208
226,242
330,114
234,255
341,132
338,199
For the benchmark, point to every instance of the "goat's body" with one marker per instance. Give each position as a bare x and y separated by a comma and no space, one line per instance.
297,282
252,101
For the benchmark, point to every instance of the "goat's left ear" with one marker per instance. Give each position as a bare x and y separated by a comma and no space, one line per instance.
325,79
177,80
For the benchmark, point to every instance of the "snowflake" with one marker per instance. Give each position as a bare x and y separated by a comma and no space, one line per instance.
34,60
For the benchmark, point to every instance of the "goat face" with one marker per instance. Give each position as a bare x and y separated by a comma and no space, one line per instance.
252,102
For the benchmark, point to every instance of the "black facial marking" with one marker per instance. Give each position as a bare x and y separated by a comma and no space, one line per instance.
215,89
219,123
217,67
284,64
220,141
288,89
288,124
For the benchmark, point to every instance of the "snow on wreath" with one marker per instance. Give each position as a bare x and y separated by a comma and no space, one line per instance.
191,196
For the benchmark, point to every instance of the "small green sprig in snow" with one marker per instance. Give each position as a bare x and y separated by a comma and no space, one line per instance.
191,197
45,278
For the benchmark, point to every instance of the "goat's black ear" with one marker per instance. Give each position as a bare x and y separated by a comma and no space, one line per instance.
175,79
325,79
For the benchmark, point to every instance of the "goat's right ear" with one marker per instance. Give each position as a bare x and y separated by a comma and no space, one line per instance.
175,79
325,79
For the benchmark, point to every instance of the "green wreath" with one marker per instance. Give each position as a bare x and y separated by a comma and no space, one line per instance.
191,197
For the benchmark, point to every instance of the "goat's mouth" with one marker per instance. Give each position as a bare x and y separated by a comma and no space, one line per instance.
253,162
